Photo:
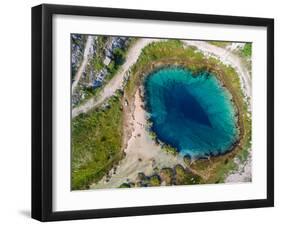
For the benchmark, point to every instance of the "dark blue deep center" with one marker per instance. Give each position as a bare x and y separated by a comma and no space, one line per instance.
179,101
194,114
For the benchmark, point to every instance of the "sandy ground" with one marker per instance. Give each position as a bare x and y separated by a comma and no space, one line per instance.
222,54
142,154
117,81
84,63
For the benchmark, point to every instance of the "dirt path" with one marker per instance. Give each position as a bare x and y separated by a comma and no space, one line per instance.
228,58
117,81
142,154
83,64
222,54
243,173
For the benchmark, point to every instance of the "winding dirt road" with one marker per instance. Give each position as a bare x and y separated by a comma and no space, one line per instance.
116,82
224,55
228,58
135,151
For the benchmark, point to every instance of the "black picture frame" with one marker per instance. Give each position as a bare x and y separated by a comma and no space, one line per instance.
42,111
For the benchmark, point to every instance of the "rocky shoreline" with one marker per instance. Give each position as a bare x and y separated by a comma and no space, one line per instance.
142,154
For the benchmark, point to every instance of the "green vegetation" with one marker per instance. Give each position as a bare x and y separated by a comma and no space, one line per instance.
119,59
152,135
96,143
100,45
247,50
166,49
221,44
166,147
97,64
97,136
182,177
169,149
247,142
177,175
166,175
119,56
172,52
154,181
124,185
246,56
216,170
222,171
97,60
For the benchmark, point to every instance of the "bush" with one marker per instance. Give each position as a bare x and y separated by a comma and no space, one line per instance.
124,185
154,181
96,144
179,174
119,56
166,175
247,50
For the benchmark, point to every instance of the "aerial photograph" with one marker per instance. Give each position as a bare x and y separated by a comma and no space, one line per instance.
152,112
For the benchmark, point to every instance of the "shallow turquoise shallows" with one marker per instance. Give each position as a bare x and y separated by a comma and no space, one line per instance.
194,114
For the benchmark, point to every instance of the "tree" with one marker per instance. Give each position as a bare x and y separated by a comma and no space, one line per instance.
154,180
119,56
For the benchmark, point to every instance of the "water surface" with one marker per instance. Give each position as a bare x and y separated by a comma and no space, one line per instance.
194,114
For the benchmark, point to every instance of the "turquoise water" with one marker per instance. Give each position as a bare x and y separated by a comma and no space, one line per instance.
193,114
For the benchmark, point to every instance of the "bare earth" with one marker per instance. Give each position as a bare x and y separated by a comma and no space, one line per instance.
224,55
142,154
243,173
227,58
117,81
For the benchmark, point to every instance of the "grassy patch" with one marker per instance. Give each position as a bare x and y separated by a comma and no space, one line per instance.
112,68
166,175
178,175
221,44
96,143
222,171
97,136
247,50
97,63
169,149
154,181
218,168
172,49
173,52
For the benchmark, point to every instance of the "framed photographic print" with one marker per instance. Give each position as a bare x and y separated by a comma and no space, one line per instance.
147,112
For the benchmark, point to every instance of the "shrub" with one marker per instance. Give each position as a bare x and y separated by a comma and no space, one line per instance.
154,180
